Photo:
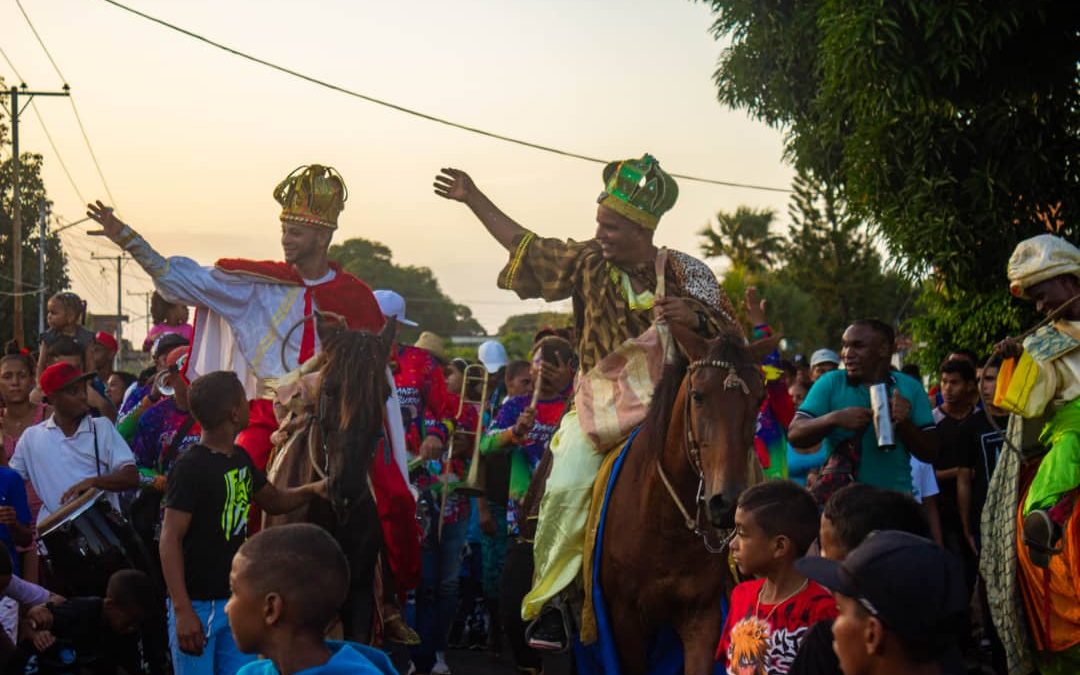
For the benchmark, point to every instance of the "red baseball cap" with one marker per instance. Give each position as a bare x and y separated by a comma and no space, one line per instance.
60,376
108,340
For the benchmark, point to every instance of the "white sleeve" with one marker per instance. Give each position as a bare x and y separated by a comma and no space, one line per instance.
115,452
26,593
18,459
182,280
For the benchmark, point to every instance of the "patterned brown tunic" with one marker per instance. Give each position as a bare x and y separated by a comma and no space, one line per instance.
553,269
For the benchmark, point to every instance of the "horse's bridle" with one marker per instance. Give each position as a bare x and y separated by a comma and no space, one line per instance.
692,447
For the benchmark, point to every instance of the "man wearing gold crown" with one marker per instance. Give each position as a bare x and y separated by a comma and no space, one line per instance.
245,310
612,280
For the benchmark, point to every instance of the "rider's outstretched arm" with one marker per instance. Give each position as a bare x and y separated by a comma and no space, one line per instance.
179,279
457,185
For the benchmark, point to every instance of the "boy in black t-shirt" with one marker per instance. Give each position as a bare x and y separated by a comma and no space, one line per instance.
209,492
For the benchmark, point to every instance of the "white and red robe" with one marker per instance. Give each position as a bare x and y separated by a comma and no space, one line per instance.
244,308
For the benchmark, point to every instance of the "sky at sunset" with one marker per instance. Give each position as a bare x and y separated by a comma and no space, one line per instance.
192,140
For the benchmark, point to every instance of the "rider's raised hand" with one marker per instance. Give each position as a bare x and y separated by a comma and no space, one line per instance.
454,184
111,226
755,308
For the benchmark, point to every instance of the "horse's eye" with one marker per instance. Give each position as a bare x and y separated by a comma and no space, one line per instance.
697,397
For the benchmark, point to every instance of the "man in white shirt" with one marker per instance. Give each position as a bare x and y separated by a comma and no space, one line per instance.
72,452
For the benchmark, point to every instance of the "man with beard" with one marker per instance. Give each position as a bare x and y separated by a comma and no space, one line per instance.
837,408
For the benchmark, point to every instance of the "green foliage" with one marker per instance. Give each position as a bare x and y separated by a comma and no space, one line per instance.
425,301
827,272
517,332
986,319
744,238
953,127
32,194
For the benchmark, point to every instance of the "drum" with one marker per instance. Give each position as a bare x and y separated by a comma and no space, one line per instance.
85,543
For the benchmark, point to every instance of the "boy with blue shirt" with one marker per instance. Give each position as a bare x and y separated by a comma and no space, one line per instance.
837,408
280,609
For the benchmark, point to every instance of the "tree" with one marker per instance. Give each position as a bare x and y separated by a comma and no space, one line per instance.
831,255
517,332
827,272
32,194
952,127
425,300
744,238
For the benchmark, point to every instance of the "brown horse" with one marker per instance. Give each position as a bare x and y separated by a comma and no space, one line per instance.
680,481
336,438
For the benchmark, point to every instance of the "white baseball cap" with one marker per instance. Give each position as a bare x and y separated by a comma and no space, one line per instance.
493,355
393,305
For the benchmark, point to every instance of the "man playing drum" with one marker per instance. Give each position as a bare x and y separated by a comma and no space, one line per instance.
611,279
72,452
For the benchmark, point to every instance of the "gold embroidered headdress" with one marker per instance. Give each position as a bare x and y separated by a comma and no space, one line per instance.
312,195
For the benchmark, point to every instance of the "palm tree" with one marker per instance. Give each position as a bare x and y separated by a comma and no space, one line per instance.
744,238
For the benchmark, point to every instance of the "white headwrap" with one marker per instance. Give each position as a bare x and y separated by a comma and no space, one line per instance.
1040,258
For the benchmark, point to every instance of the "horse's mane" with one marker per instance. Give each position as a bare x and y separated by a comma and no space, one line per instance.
353,381
728,345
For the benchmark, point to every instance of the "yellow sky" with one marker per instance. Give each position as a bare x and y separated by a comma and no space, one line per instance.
192,140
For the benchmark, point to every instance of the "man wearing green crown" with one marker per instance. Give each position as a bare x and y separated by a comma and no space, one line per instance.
611,279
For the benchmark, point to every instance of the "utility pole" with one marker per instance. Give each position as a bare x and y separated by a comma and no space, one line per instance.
146,295
16,216
41,267
120,318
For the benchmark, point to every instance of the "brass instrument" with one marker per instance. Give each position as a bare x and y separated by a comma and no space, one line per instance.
473,486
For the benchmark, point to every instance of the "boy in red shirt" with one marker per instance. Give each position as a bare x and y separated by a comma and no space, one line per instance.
775,523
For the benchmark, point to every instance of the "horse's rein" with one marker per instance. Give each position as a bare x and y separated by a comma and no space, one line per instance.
692,447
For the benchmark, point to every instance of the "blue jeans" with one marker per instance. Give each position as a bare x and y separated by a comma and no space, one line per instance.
220,655
437,597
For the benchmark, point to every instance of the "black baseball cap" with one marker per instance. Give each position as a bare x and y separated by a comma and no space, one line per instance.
166,343
912,585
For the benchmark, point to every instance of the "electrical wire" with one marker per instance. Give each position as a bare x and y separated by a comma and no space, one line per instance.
410,111
41,121
71,99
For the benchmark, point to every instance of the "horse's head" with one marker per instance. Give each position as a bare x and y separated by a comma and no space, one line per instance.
720,397
353,389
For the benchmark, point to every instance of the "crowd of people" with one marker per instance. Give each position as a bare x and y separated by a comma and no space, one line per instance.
131,504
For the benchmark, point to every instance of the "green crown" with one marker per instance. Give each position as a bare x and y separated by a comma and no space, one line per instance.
639,190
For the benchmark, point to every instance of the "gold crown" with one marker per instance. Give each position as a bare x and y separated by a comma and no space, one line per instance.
312,195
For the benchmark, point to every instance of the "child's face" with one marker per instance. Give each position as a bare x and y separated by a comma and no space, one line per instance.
831,546
244,609
176,315
753,550
58,316
122,620
520,384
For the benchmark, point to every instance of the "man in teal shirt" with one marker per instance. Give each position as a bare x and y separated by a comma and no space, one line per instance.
838,408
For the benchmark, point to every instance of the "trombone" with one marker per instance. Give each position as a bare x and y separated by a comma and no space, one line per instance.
473,484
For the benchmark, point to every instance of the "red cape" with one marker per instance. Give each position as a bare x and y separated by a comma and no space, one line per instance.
344,294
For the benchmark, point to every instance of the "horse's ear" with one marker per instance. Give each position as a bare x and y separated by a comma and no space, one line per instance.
693,345
761,348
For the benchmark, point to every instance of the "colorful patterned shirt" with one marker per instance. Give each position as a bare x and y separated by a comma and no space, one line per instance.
523,458
155,432
605,314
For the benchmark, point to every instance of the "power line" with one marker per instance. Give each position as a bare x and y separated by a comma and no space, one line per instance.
410,111
74,108
41,121
11,65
